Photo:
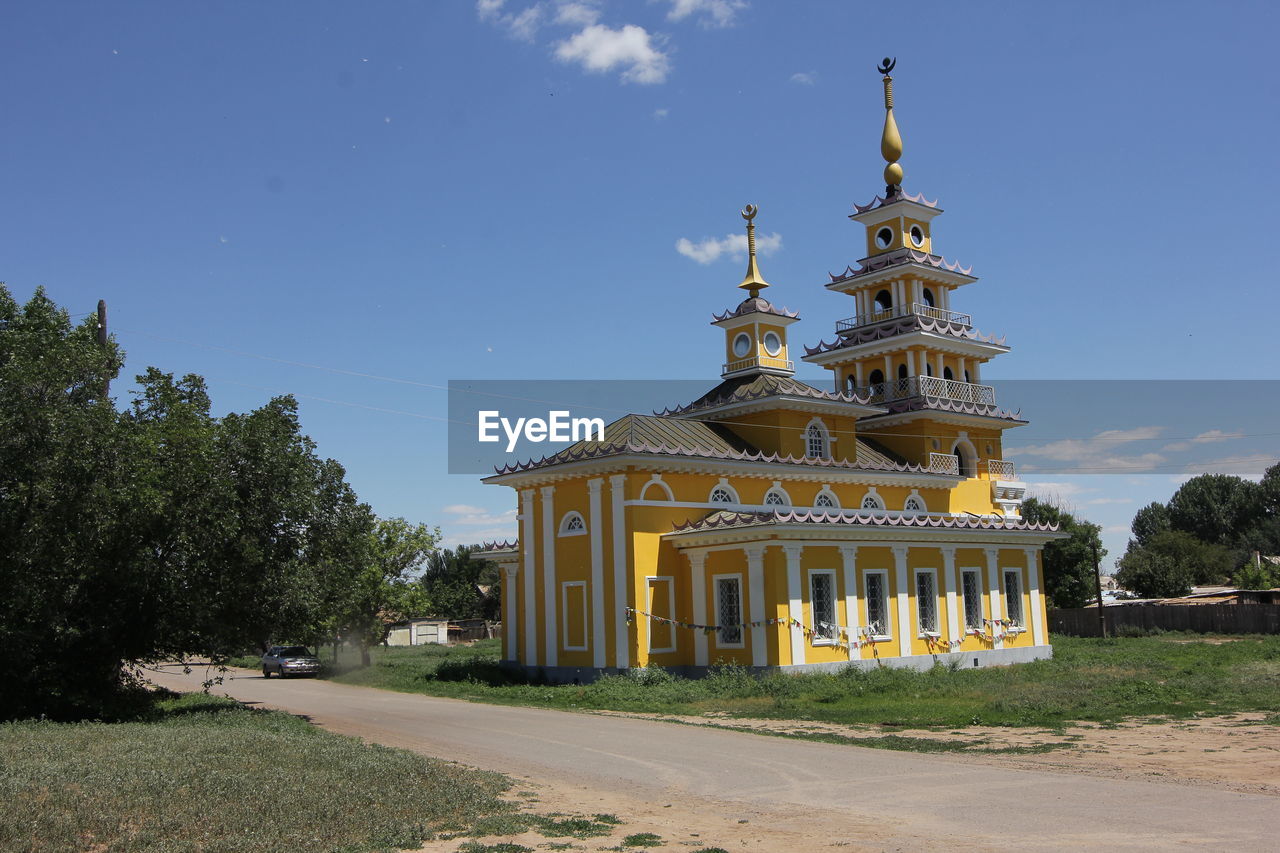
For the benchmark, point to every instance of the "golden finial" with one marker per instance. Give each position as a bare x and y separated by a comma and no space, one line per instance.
752,282
890,139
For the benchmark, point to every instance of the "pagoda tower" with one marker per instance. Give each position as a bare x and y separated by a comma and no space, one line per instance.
905,348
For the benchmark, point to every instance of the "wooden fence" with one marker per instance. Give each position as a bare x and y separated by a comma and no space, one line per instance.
1198,618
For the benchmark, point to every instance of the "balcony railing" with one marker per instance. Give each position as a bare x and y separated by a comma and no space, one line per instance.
930,386
760,361
914,308
999,469
944,463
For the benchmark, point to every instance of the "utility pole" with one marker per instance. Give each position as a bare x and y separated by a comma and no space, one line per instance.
102,342
1097,583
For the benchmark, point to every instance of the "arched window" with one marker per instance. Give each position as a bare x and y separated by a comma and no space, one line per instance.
850,384
656,490
872,501
966,458
826,500
914,505
775,497
947,374
723,494
876,377
815,441
902,371
883,301
572,525
966,377
928,369
928,297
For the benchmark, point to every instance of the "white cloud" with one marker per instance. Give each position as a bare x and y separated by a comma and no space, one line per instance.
522,25
1097,501
1216,435
661,113
465,515
805,78
600,49
577,14
711,13
733,245
1101,454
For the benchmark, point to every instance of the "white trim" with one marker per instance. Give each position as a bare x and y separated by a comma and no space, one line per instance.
901,572
1033,591
564,608
826,490
921,633
511,612
849,567
795,602
736,577
835,610
551,635
964,599
698,578
915,495
729,490
827,440
622,634
670,581
1017,573
995,582
954,630
873,495
777,489
656,480
567,519
755,593
963,441
733,345
529,560
764,342
598,658
885,602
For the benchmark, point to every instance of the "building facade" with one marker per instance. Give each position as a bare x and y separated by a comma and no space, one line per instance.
774,524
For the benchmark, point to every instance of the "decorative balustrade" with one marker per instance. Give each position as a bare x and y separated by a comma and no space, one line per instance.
760,361
1000,469
930,386
944,463
914,308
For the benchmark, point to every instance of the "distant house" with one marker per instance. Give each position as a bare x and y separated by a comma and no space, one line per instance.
419,632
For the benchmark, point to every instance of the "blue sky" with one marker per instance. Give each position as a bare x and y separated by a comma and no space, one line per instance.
356,203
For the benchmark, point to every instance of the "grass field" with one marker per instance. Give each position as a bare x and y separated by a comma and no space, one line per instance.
1171,675
200,773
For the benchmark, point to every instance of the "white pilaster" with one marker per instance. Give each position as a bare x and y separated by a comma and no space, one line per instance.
977,372
858,377
755,586
617,485
698,579
1033,588
917,291
527,542
960,374
938,371
549,591
954,628
911,362
795,600
597,572
509,617
848,560
905,629
993,592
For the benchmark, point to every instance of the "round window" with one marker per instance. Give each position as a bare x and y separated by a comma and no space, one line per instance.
741,345
917,235
884,237
772,343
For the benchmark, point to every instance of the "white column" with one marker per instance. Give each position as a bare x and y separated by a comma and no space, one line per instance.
795,597
597,573
960,374
527,542
939,371
1033,588
858,377
993,591
755,586
549,590
859,304
698,579
977,372
509,593
917,291
904,608
622,656
955,629
888,369
911,362
848,560
944,294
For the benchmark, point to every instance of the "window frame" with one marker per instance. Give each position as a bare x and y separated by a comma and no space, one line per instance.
567,519
720,642
1020,624
670,581
816,429
728,490
834,622
921,631
884,600
564,621
976,574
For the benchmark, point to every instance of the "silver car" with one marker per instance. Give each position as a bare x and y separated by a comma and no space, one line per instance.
289,660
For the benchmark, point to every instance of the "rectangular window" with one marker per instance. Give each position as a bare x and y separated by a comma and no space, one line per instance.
972,588
877,590
926,603
662,605
822,599
573,603
729,610
1013,597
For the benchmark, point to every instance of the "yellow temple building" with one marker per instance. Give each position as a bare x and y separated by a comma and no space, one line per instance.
777,525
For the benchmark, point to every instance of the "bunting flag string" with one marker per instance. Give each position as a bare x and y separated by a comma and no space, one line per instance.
845,636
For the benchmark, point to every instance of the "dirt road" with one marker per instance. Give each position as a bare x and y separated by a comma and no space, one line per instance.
703,786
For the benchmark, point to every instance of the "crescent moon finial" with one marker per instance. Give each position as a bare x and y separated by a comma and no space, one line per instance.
749,212
887,65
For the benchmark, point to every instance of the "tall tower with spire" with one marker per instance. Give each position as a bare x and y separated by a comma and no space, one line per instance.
905,348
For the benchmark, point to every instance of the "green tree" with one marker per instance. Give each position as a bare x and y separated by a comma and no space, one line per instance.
1216,508
1150,520
385,590
461,587
1171,563
1068,563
